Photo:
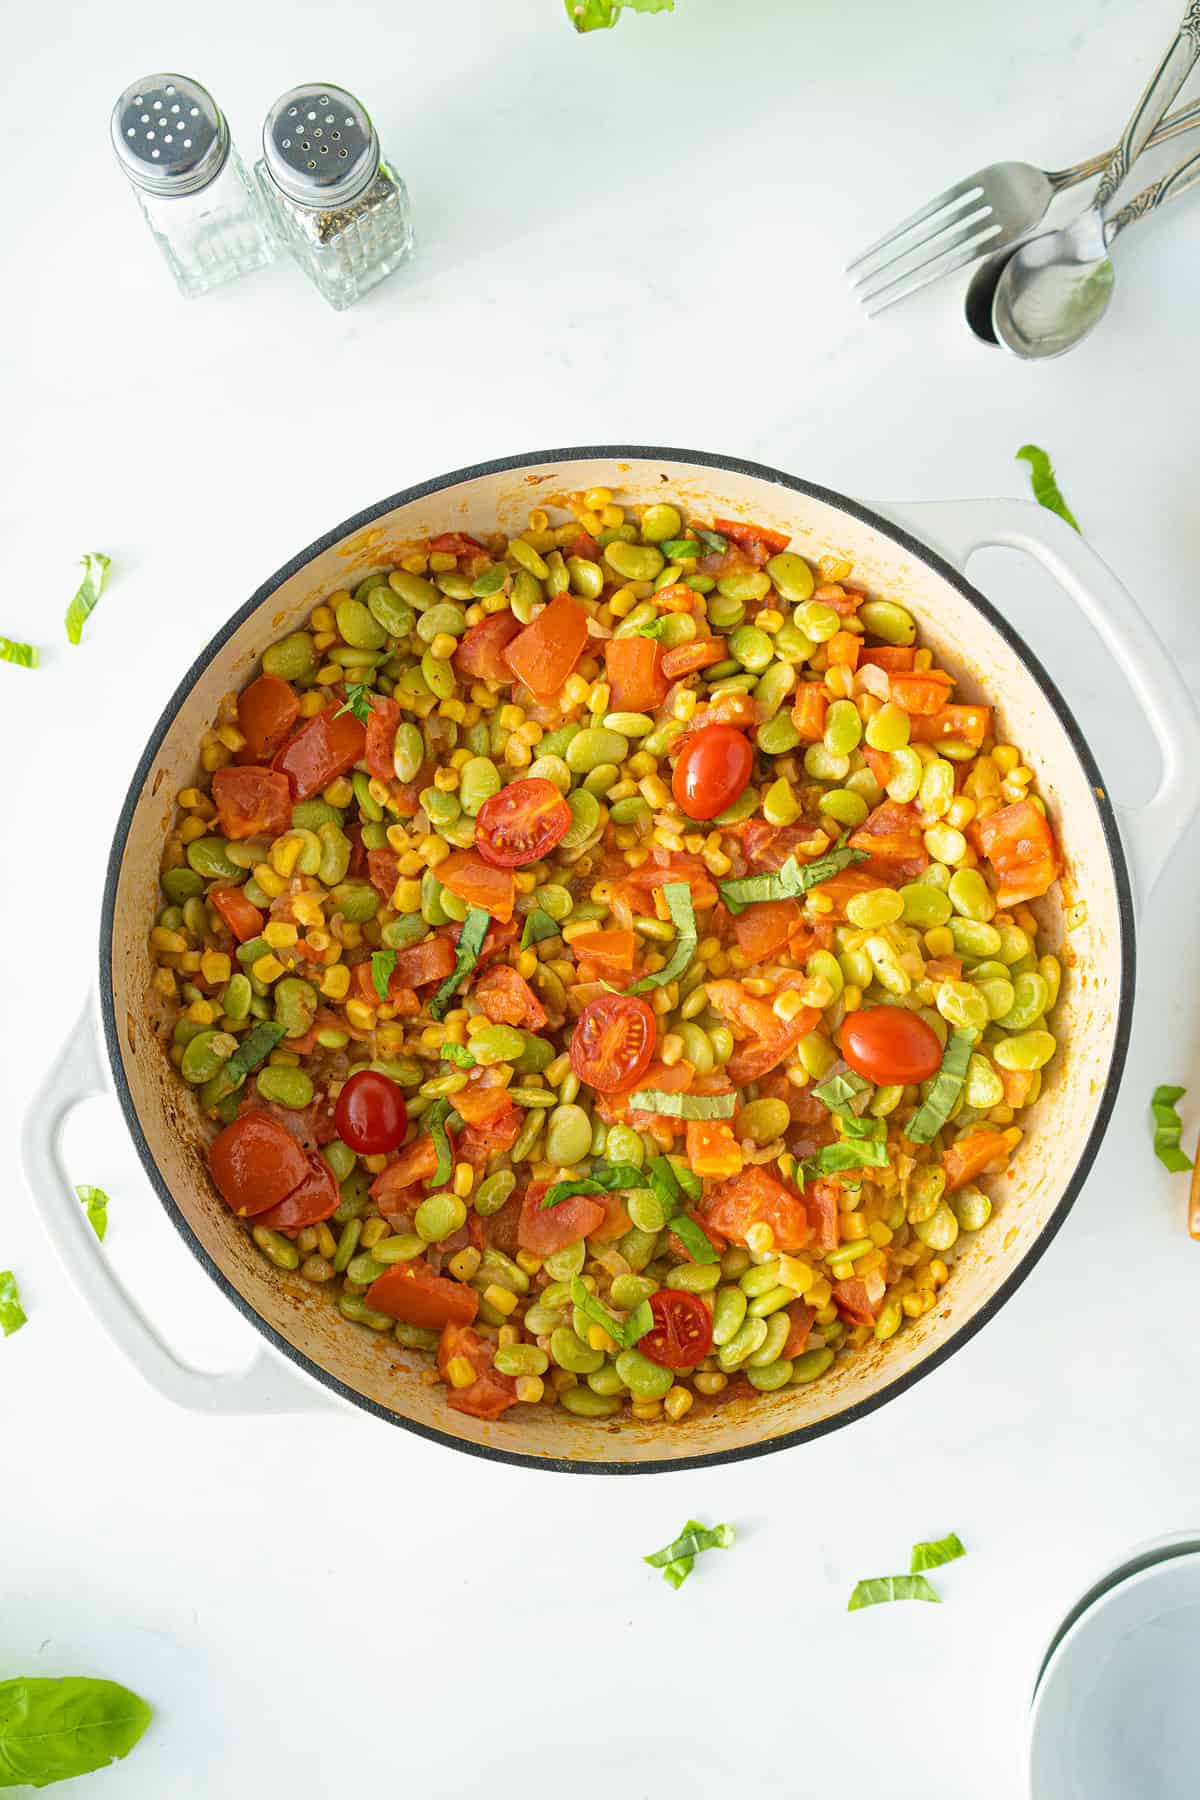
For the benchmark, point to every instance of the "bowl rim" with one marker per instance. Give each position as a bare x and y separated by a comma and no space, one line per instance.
616,453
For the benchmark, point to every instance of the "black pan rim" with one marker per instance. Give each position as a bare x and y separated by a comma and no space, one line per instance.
1050,692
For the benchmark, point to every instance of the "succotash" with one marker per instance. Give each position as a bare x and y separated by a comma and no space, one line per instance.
606,959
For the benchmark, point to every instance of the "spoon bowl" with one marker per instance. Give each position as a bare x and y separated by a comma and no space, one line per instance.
1054,290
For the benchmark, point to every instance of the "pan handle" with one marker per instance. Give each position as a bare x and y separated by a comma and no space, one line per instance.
956,529
268,1385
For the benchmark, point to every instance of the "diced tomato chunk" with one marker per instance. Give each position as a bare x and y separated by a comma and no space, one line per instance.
544,654
970,723
610,953
325,747
480,653
393,1189
821,1199
482,1102
895,658
893,836
267,710
489,1394
383,871
841,651
746,535
251,802
1020,844
800,1323
479,883
924,692
971,1155
808,711
763,929
412,1292
752,1198
859,1297
635,673
544,1230
712,1149
480,1145
381,736
241,915
767,1038
685,659
508,999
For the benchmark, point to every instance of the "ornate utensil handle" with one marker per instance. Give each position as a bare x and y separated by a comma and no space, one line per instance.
1186,119
1166,82
1169,188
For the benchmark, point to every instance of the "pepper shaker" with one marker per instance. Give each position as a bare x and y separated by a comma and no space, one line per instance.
332,200
173,144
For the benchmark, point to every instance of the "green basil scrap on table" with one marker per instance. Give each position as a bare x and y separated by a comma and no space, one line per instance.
12,1314
1168,1129
1045,488
937,1551
880,1590
12,650
87,595
678,1559
54,1729
602,15
95,1202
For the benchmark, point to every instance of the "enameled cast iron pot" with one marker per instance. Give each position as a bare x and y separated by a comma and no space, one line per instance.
914,556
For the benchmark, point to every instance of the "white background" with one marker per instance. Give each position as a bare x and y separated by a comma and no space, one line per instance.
635,236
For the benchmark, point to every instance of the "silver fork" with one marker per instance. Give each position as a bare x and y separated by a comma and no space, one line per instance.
976,217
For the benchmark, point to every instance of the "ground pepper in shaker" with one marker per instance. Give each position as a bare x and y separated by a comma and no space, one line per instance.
173,144
331,199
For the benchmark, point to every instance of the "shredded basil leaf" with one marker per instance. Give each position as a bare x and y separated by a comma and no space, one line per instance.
713,539
54,1729
358,701
96,1201
625,1332
884,1588
87,594
938,1551
382,964
664,1179
860,1129
12,1316
435,1119
254,1048
1168,1128
1045,487
694,1239
788,882
840,1091
539,925
653,629
602,15
678,896
681,549
859,1153
678,1559
691,1183
609,1181
470,943
13,651
683,1106
947,1086
459,1055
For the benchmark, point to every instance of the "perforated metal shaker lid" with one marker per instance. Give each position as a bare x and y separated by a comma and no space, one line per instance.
320,146
169,134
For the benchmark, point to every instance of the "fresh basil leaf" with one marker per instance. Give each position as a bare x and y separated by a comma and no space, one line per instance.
947,1086
459,1055
884,1588
862,1129
683,1106
52,1730
608,1181
653,628
1045,487
13,651
435,1119
678,1559
788,882
860,1153
539,925
12,1315
96,1201
602,15
681,549
639,1322
470,943
664,1179
694,1239
382,964
713,539
87,594
1168,1128
689,1181
625,1332
938,1551
358,701
254,1049
841,1090
678,896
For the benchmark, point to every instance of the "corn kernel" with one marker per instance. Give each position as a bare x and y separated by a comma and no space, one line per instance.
597,498
194,800
191,829
679,1400
530,1389
464,1179
939,941
710,1381
311,704
164,983
502,1299
444,645
599,695
189,963
416,562
598,1339
460,1371
280,935
360,1015
269,881
340,791
769,619
796,1274
213,756
335,983
760,1238
170,942
525,1259
231,737
215,966
406,895
646,1410
575,692
267,968
527,964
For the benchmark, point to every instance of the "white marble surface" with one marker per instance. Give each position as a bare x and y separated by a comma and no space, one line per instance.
632,237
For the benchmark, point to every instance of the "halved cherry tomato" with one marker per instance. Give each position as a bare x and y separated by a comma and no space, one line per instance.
412,1292
316,1199
241,915
711,770
479,883
756,1197
544,1230
522,823
384,717
251,802
545,652
1020,845
681,1335
370,1114
325,747
480,653
508,999
635,673
890,1046
745,535
613,1042
267,710
685,659
255,1163
970,1156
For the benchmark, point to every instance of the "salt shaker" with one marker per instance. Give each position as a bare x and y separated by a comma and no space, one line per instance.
331,199
173,143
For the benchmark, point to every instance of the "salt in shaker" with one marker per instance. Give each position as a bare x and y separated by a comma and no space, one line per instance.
173,143
337,206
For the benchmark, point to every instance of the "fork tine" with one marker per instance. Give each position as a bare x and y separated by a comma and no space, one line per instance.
959,223
952,198
936,267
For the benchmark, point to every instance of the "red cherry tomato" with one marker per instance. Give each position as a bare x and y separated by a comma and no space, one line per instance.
681,1335
713,768
891,1046
256,1162
370,1114
613,1042
522,823
316,1199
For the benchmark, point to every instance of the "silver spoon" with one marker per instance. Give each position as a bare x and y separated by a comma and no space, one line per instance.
1057,287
